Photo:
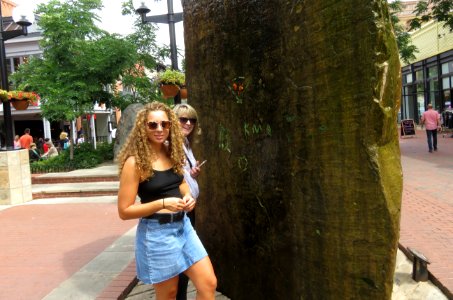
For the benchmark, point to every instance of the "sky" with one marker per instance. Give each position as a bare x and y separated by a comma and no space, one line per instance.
113,22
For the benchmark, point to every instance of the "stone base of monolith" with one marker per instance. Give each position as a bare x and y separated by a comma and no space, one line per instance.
125,126
15,182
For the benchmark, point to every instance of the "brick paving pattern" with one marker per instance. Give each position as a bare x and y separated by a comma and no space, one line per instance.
43,245
427,205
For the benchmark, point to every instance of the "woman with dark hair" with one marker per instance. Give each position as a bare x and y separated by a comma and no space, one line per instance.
151,166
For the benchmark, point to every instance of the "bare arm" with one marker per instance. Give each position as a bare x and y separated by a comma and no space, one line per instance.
129,180
187,197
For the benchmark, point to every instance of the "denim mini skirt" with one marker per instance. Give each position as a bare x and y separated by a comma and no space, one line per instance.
163,251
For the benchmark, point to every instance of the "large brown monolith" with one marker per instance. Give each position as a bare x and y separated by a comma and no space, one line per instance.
298,100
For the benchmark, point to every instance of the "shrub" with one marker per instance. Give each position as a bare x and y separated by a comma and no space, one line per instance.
85,157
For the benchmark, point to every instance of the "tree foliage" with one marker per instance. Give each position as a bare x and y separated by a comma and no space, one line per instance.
149,57
79,60
438,10
403,39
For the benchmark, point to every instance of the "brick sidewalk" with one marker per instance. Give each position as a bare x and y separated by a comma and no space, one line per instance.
427,205
43,245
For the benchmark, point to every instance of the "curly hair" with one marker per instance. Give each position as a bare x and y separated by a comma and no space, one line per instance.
137,144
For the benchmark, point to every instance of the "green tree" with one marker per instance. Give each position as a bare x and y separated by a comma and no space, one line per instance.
79,60
149,56
403,39
438,10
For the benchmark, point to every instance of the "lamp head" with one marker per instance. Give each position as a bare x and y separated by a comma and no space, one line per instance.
140,7
23,16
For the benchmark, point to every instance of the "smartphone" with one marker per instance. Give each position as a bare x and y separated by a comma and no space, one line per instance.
204,161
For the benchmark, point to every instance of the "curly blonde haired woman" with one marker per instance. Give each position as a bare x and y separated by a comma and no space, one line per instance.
151,166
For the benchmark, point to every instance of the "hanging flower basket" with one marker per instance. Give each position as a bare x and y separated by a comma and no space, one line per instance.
19,104
183,92
170,82
169,90
19,100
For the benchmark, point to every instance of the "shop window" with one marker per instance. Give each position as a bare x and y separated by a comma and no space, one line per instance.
408,107
446,82
447,67
419,75
406,90
447,98
433,85
420,87
408,78
432,72
420,105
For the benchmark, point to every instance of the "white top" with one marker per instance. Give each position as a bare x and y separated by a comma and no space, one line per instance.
192,182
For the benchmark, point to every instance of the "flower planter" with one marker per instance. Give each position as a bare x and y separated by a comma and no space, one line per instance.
169,90
20,100
20,104
183,93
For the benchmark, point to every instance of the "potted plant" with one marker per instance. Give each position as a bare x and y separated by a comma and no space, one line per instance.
183,92
20,100
171,82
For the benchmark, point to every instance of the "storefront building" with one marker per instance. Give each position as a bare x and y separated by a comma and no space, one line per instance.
430,78
19,50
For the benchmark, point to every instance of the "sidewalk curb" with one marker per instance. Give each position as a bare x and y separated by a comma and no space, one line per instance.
122,285
431,277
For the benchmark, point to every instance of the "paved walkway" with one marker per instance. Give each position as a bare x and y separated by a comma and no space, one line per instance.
427,207
77,248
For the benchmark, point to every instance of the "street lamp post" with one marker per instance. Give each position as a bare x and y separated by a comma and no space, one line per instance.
4,36
170,18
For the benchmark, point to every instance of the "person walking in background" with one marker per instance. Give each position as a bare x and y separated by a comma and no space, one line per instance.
52,150
188,120
26,139
151,165
431,120
16,142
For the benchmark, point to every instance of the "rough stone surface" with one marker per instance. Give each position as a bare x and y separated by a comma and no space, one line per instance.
125,126
301,195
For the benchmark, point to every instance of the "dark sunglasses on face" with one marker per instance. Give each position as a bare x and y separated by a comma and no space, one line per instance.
184,120
155,125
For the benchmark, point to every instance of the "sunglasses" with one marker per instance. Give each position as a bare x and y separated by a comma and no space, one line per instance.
155,125
184,120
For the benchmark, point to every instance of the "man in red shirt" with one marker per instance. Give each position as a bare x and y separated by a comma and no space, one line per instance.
431,120
26,139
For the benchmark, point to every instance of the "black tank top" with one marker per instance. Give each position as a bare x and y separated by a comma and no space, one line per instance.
162,184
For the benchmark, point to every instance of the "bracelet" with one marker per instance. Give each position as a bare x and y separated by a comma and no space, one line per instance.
163,203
